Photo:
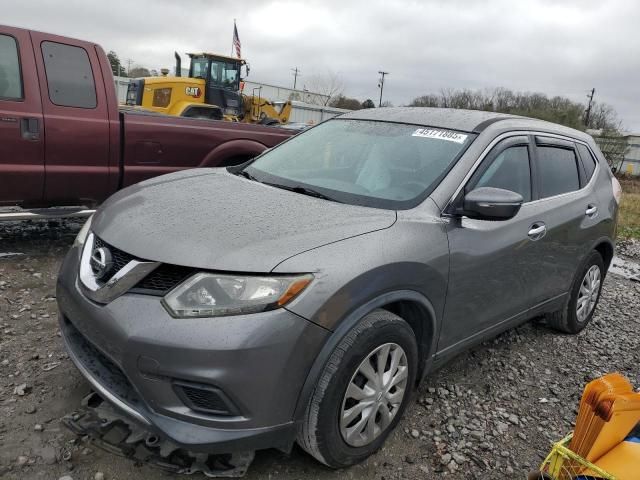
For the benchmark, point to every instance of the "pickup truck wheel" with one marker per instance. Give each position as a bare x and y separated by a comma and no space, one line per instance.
584,296
362,392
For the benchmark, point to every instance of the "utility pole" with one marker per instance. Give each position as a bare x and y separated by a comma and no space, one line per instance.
588,112
129,62
381,85
296,73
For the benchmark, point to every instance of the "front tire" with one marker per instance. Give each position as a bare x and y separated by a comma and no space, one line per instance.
585,294
362,392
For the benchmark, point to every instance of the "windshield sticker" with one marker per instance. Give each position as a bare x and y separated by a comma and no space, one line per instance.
440,134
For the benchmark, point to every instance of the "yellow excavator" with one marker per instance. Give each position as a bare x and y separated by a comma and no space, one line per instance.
213,90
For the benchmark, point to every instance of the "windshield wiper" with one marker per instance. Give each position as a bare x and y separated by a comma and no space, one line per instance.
305,191
311,192
247,175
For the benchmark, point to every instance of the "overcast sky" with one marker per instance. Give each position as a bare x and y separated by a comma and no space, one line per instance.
562,47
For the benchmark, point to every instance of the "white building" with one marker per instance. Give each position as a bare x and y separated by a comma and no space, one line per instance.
631,163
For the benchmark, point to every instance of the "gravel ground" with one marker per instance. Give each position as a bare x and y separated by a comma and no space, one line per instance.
491,413
629,248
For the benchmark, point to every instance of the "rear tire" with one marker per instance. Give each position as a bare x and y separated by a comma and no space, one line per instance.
328,432
584,297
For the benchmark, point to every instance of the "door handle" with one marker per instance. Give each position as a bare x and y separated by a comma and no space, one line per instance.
537,231
591,210
30,129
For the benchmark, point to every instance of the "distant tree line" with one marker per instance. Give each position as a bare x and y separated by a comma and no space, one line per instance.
341,101
537,105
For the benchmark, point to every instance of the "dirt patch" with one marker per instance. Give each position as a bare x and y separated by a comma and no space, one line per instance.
494,410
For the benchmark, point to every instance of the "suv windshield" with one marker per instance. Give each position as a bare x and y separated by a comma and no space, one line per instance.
375,164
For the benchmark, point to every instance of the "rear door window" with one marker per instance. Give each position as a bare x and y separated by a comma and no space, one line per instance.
69,75
588,162
557,171
10,77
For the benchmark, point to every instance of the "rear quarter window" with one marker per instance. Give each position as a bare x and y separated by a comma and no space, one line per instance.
588,161
69,75
558,171
10,78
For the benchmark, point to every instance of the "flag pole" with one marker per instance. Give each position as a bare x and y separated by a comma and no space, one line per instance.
232,34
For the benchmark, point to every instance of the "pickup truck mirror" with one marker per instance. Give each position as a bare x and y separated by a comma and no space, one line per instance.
492,203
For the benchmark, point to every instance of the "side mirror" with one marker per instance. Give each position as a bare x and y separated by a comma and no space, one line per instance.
492,203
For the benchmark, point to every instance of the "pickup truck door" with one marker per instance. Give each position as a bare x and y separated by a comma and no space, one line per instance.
21,126
76,116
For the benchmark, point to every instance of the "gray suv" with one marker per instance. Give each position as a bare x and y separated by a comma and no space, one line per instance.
302,296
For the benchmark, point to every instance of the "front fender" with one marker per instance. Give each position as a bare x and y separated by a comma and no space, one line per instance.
352,272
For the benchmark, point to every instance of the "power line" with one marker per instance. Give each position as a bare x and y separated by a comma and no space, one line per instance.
381,85
296,73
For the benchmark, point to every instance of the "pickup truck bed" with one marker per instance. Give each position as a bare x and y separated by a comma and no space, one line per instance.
155,144
64,140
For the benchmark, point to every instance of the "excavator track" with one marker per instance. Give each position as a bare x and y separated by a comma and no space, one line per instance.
117,434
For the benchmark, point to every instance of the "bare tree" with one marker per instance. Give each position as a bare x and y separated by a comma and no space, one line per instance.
426,101
330,85
603,117
345,102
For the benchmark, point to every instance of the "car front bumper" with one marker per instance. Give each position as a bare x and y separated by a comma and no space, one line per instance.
140,359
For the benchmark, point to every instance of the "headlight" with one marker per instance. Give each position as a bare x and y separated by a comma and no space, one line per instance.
82,234
213,295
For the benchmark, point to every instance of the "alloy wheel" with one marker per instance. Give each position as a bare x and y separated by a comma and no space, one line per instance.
588,294
374,395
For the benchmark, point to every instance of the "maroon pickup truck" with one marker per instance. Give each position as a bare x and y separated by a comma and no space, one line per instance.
65,141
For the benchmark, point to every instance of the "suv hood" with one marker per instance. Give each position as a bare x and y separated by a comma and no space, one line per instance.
211,219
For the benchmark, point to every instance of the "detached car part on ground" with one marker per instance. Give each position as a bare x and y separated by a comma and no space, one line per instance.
302,296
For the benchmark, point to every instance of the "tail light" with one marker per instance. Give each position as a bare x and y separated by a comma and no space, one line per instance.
617,189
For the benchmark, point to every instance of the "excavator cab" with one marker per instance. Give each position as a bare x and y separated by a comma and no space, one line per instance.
222,77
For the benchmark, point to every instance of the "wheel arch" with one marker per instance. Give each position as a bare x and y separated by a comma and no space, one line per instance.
411,306
233,152
606,249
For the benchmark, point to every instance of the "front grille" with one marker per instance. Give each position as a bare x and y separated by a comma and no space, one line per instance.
158,282
119,258
163,279
101,367
204,398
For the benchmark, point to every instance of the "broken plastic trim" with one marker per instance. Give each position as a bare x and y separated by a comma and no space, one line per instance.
117,434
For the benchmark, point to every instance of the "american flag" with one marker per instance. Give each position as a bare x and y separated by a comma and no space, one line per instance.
236,40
